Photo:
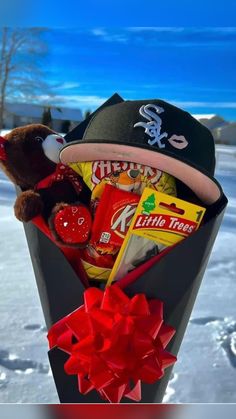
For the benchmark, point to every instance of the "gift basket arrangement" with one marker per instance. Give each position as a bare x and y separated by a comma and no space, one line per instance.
120,217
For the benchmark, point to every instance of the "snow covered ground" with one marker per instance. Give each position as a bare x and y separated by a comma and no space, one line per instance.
206,367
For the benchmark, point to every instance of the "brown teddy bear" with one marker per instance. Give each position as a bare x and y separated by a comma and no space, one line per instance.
29,156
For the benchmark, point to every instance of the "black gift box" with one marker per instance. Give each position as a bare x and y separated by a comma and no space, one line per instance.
174,279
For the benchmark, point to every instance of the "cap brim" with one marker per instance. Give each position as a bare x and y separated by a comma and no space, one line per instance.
205,187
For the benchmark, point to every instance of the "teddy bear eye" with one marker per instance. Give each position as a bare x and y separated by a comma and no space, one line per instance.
39,139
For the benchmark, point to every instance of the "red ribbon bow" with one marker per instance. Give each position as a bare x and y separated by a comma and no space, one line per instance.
61,173
112,341
3,155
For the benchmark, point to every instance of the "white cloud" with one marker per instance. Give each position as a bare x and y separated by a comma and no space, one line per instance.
99,32
193,104
67,85
120,36
178,29
170,35
156,29
84,102
74,101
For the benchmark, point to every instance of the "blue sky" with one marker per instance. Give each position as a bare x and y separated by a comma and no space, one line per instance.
194,68
118,13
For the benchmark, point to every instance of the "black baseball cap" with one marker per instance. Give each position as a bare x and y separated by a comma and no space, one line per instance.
153,133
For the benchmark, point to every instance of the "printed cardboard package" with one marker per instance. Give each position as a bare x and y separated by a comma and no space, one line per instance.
160,221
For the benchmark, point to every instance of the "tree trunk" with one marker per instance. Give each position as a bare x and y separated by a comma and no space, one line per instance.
1,114
2,76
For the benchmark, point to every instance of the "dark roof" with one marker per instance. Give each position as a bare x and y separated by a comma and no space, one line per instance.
36,111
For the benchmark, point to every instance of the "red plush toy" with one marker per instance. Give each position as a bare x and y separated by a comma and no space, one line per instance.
29,156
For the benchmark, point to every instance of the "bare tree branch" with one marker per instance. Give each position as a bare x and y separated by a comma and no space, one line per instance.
20,70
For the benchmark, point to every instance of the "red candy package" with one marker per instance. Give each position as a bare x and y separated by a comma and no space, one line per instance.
113,218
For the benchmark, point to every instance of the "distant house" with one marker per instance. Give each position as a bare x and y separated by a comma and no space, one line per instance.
211,121
224,132
18,114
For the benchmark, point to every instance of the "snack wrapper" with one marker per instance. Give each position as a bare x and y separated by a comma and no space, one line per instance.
113,218
127,176
111,223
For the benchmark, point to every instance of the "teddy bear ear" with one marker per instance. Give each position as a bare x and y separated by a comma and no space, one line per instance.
3,155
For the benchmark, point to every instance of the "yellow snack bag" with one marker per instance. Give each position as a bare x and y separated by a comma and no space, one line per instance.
160,220
127,176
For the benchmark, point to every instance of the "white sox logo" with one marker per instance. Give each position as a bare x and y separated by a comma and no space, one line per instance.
153,127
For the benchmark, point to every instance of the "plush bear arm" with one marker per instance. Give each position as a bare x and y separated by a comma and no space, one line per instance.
28,204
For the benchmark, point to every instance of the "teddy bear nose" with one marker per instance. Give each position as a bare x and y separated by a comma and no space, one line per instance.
59,140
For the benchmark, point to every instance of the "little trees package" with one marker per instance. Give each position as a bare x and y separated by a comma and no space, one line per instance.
160,221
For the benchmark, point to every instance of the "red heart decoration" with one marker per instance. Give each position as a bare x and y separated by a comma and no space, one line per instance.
73,224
